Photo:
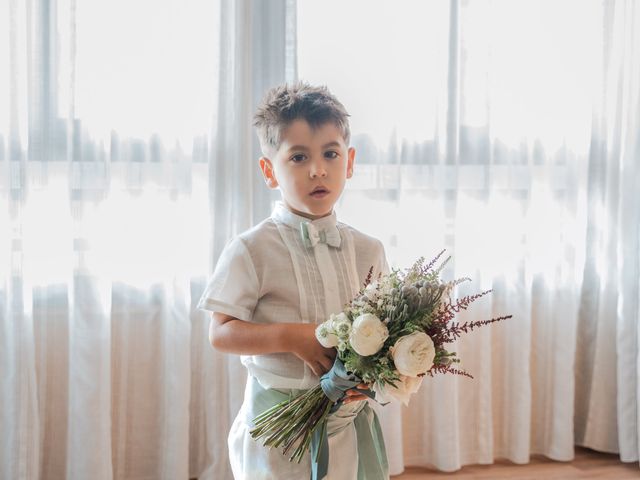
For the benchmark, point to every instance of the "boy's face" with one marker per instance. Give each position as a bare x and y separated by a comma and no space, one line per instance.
310,167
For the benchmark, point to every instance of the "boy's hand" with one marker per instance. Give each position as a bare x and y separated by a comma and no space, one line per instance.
355,396
305,345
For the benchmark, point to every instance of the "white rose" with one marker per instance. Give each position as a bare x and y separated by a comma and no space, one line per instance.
368,334
341,325
405,387
326,336
413,354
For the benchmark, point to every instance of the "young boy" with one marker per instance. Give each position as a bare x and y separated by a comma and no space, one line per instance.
274,283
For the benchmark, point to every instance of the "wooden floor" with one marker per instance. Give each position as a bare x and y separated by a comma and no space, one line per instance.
587,464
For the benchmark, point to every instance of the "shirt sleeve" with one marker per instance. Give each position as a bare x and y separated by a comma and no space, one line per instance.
382,266
233,289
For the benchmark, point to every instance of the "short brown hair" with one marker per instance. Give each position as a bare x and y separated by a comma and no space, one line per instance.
285,103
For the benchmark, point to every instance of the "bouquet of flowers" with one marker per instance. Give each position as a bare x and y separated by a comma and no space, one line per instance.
390,336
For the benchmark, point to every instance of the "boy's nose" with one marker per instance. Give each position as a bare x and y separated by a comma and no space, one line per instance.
317,171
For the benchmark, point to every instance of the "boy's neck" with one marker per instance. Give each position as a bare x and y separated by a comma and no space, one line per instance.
304,214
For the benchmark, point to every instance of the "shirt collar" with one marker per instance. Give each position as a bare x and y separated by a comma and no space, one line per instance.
282,214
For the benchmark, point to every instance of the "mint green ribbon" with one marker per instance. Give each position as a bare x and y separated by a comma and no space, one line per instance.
372,454
311,235
371,446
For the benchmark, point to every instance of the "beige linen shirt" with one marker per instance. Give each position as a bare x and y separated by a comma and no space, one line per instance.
270,275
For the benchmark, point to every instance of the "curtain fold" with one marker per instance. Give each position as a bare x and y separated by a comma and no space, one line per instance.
257,51
609,315
128,160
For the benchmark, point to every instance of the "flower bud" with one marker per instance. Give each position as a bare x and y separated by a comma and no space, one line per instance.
326,336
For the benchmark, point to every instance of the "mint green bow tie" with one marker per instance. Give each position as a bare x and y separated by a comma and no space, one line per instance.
311,235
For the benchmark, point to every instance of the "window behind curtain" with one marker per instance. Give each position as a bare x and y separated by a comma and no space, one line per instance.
106,111
471,121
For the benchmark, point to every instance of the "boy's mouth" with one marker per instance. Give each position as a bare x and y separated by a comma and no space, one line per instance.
319,192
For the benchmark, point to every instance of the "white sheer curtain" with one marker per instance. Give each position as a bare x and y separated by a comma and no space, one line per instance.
120,124
508,133
504,131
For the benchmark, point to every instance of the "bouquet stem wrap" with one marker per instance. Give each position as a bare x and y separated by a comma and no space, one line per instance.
312,432
337,381
334,384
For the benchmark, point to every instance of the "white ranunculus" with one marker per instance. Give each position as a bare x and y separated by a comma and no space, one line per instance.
368,334
326,336
405,387
341,325
413,354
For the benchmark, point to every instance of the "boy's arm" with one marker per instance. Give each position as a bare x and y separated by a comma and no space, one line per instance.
228,334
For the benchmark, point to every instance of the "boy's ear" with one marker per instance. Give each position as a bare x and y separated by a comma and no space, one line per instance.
351,158
267,172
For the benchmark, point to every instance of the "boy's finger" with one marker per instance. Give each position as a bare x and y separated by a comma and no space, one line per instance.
354,393
355,398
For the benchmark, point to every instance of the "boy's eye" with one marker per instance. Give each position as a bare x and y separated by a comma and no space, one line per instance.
297,158
331,154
